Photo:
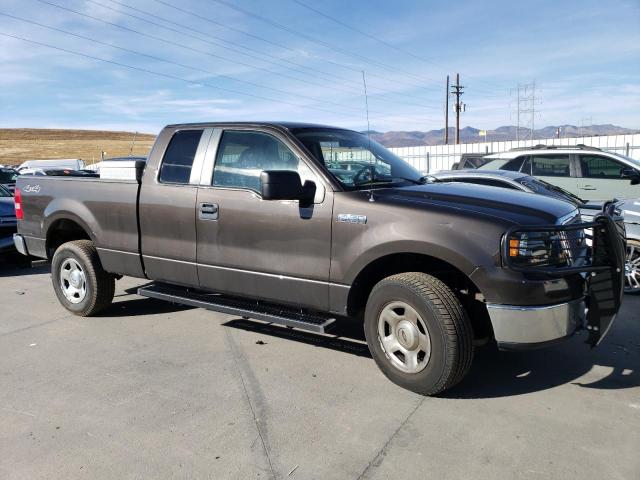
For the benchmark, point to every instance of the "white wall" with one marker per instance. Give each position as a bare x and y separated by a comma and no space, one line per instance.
432,158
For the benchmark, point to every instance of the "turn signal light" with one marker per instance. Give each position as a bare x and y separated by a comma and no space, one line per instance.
514,246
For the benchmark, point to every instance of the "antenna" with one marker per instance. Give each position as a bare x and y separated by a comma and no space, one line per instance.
133,142
366,103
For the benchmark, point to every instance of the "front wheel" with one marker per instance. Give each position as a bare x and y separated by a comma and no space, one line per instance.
418,332
81,284
632,268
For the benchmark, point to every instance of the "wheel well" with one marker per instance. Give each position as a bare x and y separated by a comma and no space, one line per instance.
469,295
63,231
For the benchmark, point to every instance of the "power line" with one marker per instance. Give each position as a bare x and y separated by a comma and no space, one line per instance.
187,47
182,65
233,48
318,41
169,76
160,74
188,28
375,38
276,44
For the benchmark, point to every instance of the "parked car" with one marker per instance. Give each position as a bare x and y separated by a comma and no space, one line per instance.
53,164
8,178
587,172
470,160
95,167
629,209
250,219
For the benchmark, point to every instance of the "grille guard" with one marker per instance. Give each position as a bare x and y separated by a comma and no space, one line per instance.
602,266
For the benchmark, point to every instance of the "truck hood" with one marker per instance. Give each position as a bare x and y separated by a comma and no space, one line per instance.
510,206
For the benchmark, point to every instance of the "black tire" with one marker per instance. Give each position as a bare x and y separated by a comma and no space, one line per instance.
449,330
99,285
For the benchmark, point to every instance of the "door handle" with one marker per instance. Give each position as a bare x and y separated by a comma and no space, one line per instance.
587,187
208,211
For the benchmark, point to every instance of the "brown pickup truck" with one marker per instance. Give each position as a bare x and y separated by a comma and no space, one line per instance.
307,225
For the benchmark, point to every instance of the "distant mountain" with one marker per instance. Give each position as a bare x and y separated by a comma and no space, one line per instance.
500,134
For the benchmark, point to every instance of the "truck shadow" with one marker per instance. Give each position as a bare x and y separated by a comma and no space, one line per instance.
11,269
616,363
345,336
138,306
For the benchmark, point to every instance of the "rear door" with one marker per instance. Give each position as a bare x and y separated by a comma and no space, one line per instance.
601,179
168,205
555,168
274,250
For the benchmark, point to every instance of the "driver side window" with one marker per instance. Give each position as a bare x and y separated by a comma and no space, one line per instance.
595,166
243,155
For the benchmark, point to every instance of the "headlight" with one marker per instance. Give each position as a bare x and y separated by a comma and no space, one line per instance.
551,248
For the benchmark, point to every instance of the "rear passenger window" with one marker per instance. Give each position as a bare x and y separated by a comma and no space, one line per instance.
550,166
178,159
594,166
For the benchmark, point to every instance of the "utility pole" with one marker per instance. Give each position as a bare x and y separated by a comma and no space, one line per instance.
446,113
457,90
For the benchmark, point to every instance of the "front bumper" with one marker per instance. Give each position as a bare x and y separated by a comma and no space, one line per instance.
516,327
601,266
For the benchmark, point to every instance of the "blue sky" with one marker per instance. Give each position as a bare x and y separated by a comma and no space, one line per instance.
277,59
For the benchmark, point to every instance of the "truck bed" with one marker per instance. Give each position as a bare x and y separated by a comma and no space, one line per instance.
108,209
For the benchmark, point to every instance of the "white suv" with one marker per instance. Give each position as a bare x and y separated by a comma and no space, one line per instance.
588,172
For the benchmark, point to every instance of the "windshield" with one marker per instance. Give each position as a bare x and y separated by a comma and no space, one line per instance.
545,188
356,161
4,192
627,158
8,175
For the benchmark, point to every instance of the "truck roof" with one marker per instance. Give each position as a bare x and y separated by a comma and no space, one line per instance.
285,125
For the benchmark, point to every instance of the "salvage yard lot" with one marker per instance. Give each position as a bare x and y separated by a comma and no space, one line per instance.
155,390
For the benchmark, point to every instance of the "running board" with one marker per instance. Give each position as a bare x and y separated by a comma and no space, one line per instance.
259,310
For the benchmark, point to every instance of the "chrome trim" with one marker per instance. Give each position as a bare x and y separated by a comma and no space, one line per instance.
198,159
568,217
21,245
535,324
206,175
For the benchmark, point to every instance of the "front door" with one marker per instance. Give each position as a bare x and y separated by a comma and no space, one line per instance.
601,179
273,250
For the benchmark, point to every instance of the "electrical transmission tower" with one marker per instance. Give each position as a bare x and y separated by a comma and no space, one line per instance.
525,108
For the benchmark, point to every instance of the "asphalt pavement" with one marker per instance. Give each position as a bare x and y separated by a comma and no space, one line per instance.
152,390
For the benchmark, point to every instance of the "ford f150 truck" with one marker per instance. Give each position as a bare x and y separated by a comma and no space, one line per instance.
306,225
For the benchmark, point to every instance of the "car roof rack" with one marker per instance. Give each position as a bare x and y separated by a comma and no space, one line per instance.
540,146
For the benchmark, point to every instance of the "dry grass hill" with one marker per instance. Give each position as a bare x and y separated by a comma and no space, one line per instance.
20,144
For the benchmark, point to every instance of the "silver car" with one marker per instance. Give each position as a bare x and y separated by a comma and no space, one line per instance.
588,172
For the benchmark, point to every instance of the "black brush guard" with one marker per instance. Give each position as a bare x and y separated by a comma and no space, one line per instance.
601,264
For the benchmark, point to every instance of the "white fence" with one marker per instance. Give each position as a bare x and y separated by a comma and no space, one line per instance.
432,158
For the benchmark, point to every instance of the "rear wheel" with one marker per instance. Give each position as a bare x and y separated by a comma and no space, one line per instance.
81,284
632,268
418,332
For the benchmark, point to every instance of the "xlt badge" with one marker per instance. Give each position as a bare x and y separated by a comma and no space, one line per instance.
351,218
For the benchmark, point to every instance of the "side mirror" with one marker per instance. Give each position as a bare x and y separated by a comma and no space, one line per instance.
285,185
632,174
